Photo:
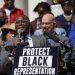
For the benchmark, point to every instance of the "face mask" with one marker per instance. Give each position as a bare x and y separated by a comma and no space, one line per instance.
2,22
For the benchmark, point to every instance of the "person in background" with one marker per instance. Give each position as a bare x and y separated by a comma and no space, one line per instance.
72,32
48,24
72,44
8,32
2,22
66,18
11,11
40,8
5,50
2,19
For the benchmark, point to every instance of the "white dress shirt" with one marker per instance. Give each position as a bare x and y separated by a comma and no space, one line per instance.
29,39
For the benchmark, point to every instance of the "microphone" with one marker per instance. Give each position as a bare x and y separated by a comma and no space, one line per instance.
19,31
53,37
56,39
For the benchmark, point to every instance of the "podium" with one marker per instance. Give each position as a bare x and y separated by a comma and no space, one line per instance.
36,61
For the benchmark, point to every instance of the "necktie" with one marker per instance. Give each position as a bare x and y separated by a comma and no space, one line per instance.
25,39
49,41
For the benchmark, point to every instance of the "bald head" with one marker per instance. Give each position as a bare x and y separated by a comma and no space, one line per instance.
48,22
48,16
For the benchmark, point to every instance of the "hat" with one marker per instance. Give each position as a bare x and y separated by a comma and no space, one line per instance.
9,27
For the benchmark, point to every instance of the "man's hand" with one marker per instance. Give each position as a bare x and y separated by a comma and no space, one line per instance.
1,42
16,41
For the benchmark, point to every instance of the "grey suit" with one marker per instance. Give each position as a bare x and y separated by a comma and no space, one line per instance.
39,41
54,43
64,52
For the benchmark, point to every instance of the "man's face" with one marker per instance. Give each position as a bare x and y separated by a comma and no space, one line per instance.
67,9
23,24
40,11
9,4
48,23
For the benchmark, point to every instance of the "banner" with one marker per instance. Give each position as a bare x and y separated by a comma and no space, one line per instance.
36,61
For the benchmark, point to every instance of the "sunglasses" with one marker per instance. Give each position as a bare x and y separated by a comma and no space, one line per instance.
11,32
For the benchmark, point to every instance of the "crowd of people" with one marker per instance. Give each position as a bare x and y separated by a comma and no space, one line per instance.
45,30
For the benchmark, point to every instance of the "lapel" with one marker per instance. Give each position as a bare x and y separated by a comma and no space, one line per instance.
52,42
36,42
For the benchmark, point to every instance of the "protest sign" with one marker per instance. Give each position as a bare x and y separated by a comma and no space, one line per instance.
36,61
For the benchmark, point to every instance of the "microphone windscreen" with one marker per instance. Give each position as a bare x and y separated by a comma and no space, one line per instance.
19,31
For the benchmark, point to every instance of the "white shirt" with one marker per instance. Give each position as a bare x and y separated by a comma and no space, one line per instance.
29,39
8,14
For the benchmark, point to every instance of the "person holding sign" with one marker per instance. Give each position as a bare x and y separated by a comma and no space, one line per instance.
23,36
48,24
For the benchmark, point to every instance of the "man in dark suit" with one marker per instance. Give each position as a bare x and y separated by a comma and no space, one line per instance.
11,11
23,28
22,36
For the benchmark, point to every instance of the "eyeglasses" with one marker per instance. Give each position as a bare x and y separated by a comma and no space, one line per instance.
48,23
12,32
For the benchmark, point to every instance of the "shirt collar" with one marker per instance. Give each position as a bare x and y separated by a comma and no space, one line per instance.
67,16
28,36
4,6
